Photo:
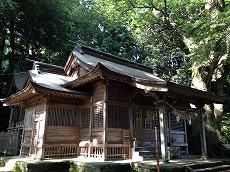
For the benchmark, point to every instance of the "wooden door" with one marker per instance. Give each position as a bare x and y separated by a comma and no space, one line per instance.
27,133
144,123
38,131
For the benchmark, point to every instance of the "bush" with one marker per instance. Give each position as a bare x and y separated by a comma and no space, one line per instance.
225,130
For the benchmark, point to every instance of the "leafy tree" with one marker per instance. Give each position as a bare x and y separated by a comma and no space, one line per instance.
226,128
37,30
95,30
116,39
160,45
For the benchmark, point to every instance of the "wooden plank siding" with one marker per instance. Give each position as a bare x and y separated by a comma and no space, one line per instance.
62,134
178,134
10,142
61,141
115,135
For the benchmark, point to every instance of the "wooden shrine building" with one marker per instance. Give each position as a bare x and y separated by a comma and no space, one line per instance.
98,103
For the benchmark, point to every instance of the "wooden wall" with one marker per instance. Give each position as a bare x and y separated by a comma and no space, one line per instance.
62,134
115,135
118,92
84,134
62,124
97,135
98,90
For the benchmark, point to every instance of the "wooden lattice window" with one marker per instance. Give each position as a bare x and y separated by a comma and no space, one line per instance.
137,118
63,117
145,118
151,119
85,118
16,117
98,116
118,117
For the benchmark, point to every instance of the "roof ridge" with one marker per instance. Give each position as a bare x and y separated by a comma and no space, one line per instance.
113,58
43,63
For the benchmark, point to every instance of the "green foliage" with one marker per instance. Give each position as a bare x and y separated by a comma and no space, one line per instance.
225,128
158,44
2,162
116,39
20,167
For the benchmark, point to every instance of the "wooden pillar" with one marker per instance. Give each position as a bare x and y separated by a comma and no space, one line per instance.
203,135
186,137
11,114
90,123
163,132
46,113
90,118
131,121
130,115
105,123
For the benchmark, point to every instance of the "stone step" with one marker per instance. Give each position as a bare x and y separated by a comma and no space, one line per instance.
214,168
144,155
141,153
225,171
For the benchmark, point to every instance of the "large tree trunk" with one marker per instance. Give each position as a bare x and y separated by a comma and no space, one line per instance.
11,54
211,76
12,45
2,47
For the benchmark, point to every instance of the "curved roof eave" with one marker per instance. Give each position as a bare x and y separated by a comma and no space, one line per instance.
43,88
16,99
197,94
33,89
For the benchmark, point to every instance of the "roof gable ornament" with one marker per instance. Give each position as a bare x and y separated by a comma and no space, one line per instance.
36,66
77,47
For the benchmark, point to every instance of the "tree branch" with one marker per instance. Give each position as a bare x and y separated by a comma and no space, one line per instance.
162,15
165,7
152,7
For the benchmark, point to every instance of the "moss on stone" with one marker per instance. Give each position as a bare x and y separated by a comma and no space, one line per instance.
92,167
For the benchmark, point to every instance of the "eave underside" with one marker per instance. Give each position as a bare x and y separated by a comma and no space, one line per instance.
33,90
